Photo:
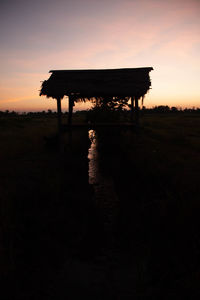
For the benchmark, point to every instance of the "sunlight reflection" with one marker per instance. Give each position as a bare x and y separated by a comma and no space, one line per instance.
93,158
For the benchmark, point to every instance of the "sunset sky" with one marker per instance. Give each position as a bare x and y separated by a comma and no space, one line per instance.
41,35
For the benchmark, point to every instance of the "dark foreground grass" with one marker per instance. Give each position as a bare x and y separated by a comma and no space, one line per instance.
48,217
46,204
156,171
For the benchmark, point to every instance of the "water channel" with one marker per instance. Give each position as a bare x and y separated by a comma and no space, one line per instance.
105,196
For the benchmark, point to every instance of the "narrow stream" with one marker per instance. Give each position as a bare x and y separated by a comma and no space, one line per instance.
105,196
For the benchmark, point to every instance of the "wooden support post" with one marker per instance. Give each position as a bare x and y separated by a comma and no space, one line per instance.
136,111
132,108
59,111
71,104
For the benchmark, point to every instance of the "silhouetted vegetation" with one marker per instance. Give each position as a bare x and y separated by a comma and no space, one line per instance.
166,109
119,105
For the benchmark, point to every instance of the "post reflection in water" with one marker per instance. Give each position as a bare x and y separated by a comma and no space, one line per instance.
93,158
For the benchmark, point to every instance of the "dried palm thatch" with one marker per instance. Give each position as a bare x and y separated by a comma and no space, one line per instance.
85,85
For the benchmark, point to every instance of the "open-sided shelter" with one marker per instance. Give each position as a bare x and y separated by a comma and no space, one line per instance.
82,85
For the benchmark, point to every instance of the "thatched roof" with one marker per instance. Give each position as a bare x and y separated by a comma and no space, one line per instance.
85,84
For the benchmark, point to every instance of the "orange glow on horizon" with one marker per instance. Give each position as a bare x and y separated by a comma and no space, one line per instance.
42,103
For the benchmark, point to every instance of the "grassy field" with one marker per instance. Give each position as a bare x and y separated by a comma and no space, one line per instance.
42,187
47,209
156,170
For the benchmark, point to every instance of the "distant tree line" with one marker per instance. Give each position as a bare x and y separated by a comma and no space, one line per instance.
167,109
39,113
161,109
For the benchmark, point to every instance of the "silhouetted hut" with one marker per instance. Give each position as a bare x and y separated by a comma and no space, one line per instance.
86,85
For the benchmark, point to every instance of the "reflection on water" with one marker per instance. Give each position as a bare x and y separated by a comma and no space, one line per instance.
93,158
105,196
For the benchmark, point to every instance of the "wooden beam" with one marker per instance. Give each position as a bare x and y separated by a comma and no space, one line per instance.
136,111
59,112
71,104
132,108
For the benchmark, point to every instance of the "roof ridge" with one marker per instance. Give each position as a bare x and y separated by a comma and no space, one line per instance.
116,69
